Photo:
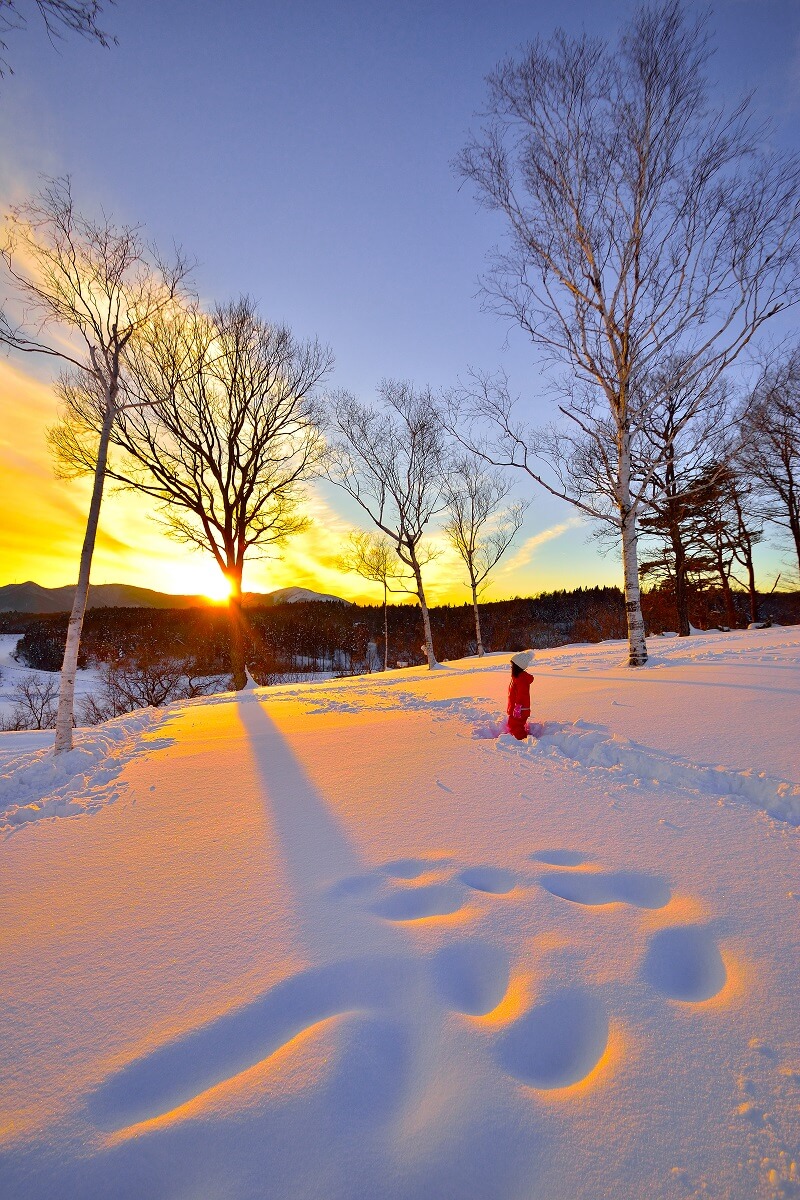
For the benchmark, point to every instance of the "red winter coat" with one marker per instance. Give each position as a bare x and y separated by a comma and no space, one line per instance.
519,704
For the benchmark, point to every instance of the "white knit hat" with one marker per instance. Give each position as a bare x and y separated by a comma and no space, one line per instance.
523,658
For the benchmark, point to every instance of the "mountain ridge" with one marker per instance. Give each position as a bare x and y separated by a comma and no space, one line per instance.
30,597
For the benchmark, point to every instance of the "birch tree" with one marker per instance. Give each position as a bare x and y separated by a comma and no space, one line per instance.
85,291
390,460
220,432
642,224
372,557
476,526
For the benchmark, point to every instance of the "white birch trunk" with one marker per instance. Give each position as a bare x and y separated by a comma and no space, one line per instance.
637,646
426,620
69,667
385,630
478,638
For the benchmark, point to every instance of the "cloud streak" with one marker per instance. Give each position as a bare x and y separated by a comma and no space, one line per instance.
525,554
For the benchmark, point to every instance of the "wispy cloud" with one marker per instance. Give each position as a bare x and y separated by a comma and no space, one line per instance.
525,554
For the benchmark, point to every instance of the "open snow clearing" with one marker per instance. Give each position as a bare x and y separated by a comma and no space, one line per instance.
341,940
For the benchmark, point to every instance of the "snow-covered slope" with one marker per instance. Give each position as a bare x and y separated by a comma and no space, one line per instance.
291,595
334,940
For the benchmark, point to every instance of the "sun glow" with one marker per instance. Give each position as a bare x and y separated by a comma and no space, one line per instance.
197,576
217,589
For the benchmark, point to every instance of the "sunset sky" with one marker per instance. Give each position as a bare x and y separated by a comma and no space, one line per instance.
300,151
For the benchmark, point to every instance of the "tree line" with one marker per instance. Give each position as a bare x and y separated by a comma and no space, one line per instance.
649,238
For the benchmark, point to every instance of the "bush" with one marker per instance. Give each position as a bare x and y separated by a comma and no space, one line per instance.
143,681
35,704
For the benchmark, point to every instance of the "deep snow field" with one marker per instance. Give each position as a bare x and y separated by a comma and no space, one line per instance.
336,941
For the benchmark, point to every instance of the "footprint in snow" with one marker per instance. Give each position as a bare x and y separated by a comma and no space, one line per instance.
417,904
412,868
684,963
495,880
472,976
554,1044
558,1042
560,858
615,887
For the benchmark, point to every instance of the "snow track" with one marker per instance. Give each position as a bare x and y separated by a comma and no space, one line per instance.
35,785
596,749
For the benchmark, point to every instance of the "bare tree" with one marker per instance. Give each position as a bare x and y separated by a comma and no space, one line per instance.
642,226
102,286
75,16
143,680
221,430
34,704
746,529
475,525
770,441
390,460
373,557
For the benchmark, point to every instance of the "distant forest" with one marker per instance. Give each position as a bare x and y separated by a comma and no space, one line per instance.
327,636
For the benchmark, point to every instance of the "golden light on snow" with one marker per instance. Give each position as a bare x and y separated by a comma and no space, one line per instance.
516,1000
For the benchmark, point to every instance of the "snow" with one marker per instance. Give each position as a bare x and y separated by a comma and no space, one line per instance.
34,784
336,940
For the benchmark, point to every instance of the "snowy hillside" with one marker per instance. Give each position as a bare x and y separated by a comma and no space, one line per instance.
337,940
291,595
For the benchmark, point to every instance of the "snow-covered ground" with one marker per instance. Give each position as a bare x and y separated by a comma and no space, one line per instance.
333,940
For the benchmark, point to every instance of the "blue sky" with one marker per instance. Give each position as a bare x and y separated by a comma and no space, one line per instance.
301,151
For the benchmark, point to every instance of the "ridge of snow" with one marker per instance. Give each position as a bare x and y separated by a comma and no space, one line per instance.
35,784
596,749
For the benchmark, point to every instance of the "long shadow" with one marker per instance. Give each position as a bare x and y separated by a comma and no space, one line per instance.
320,863
184,1069
362,964
314,847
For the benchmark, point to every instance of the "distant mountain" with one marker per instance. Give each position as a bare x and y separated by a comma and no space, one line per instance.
32,598
289,595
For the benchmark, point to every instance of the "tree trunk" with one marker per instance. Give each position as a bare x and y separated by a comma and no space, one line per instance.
637,646
426,620
236,629
794,519
681,590
478,638
69,667
385,630
730,608
751,585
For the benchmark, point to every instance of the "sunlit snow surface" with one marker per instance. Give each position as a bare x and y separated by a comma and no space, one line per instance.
340,940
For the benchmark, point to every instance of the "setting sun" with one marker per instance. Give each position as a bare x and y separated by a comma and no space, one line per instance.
218,589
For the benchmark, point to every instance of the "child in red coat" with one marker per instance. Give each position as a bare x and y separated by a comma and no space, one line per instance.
519,694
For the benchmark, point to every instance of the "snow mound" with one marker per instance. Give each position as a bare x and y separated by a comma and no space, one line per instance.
595,748
34,784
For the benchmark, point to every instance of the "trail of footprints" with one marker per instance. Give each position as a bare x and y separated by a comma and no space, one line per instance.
555,1043
561,1038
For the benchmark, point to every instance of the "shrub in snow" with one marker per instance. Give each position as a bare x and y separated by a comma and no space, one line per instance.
143,681
35,700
